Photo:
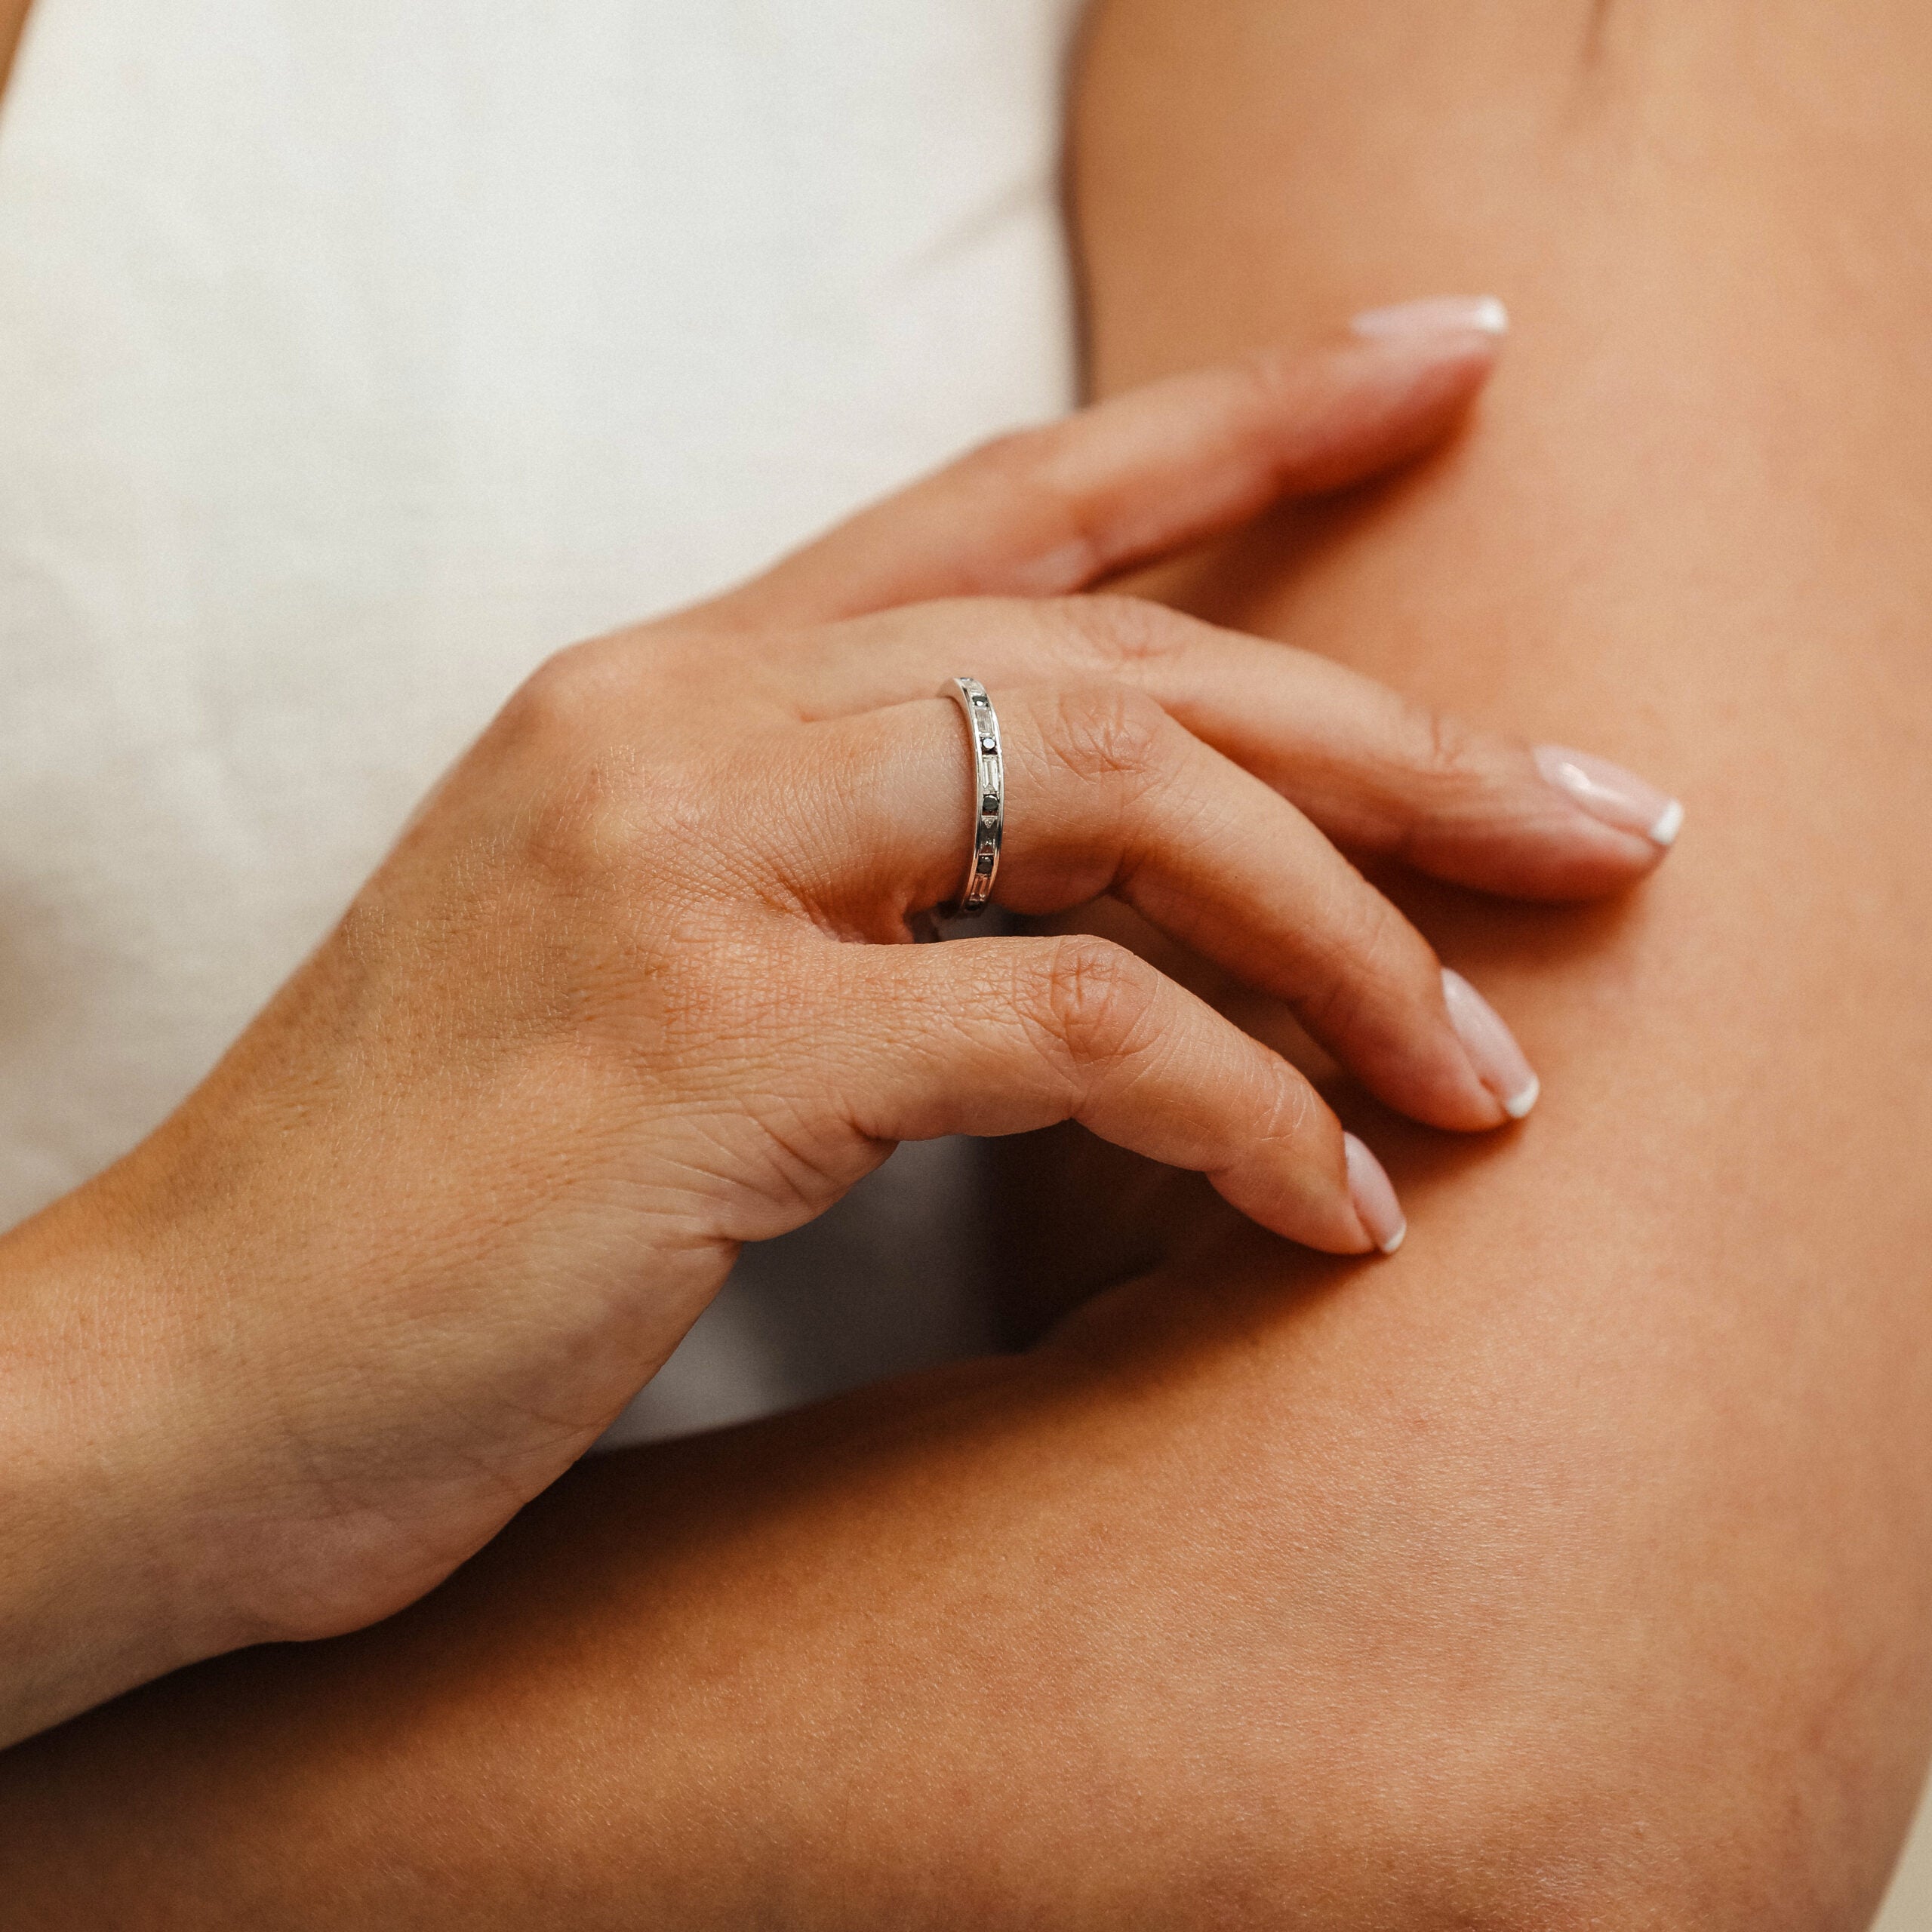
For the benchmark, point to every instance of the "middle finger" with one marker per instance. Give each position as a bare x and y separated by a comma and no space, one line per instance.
1379,774
1106,793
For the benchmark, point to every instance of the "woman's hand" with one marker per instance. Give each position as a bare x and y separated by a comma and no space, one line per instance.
634,990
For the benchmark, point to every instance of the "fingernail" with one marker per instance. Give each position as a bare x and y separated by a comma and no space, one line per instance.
1435,315
1374,1195
1609,792
1499,1062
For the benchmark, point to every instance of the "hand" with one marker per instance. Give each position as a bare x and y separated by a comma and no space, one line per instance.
633,989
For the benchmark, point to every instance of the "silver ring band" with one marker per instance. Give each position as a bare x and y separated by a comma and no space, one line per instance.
990,796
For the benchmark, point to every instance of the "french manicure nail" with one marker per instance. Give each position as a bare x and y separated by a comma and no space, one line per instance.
1374,1195
1499,1062
1435,315
1608,792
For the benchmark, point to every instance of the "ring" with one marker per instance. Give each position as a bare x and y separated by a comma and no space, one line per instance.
990,817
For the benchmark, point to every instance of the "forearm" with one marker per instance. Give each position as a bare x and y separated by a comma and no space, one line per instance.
730,1683
1654,1375
104,1489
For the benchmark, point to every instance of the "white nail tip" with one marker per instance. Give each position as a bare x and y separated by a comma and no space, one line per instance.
1519,1103
1434,316
1373,1196
1670,822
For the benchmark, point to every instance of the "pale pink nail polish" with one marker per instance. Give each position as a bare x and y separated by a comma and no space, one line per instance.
1435,315
1374,1195
1608,792
1500,1064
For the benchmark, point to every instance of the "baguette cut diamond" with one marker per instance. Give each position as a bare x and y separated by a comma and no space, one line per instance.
989,822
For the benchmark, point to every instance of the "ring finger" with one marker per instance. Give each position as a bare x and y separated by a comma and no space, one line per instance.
1106,793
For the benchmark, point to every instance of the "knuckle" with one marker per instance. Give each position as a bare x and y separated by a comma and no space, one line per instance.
1445,751
1025,466
1110,732
587,825
1273,378
1121,631
1371,955
1017,456
559,705
1090,1001
1290,1107
582,796
586,803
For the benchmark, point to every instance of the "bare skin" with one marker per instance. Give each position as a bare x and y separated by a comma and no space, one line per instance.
1576,1568
13,18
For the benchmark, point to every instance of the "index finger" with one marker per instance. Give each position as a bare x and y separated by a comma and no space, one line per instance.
1052,510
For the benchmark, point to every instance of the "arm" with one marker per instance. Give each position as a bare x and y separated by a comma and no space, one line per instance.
1664,1365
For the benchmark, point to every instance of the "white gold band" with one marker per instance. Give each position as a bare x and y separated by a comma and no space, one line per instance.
989,799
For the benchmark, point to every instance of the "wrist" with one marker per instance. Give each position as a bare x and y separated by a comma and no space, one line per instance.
104,1581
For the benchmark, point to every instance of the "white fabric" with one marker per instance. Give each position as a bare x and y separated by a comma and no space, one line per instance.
1909,1905
353,357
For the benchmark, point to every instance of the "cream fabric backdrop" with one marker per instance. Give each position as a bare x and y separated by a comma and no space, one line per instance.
1909,1907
